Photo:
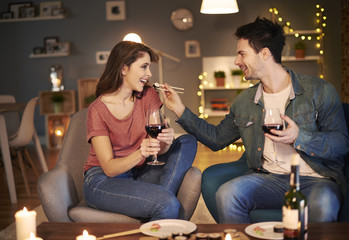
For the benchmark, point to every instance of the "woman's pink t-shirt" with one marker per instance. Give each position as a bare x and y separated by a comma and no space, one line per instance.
126,134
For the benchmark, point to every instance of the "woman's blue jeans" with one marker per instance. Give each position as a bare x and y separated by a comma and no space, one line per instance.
148,192
236,198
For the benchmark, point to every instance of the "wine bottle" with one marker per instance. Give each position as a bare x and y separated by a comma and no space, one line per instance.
295,209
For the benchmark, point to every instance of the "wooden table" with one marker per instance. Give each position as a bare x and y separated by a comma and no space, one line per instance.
65,231
5,149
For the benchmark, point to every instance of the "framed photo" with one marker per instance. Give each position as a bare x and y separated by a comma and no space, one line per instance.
192,49
58,12
102,57
49,44
115,10
61,47
47,7
27,12
14,7
6,15
38,50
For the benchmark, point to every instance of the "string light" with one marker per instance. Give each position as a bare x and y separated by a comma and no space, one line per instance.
321,24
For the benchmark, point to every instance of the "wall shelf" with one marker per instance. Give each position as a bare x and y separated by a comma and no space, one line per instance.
44,18
306,58
48,55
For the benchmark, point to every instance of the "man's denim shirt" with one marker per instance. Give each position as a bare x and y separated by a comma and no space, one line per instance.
315,107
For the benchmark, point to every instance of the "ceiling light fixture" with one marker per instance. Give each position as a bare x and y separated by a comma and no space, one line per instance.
219,6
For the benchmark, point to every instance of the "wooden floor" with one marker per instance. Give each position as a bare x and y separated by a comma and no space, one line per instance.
204,158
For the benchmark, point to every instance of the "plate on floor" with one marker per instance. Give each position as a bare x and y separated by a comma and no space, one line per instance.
264,230
167,227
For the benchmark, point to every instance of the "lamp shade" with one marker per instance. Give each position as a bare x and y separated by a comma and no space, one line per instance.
219,6
133,37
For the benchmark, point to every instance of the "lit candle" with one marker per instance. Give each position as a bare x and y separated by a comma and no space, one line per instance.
32,237
85,236
25,223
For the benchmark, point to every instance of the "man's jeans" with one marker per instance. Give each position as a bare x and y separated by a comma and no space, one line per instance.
236,198
148,192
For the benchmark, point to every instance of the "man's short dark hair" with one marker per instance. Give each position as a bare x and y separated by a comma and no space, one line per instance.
263,33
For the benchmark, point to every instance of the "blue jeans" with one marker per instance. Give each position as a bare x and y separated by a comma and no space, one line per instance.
236,198
146,193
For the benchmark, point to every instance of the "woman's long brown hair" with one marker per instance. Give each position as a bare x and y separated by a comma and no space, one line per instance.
123,53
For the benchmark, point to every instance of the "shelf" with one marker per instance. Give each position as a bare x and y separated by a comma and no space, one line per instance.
32,19
294,59
48,55
303,32
224,88
215,113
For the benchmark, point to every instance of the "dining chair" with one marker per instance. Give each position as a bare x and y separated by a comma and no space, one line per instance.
21,138
12,118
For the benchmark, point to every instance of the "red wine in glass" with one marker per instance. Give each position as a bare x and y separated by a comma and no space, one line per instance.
267,127
155,122
154,129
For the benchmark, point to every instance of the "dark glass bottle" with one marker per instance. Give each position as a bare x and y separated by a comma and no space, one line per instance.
295,209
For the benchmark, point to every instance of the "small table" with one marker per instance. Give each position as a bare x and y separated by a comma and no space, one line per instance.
65,231
5,148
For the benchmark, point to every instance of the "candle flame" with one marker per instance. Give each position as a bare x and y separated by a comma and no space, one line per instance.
32,236
25,210
228,237
85,233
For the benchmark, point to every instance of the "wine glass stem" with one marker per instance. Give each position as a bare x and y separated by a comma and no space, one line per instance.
276,160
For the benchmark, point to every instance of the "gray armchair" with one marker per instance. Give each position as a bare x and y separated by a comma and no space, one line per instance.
61,189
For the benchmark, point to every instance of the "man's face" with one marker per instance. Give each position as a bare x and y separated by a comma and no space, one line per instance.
248,60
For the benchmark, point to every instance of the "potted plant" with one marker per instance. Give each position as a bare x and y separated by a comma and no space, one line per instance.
220,78
237,77
299,48
89,99
57,99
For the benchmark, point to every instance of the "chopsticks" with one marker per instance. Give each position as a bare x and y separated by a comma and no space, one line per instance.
124,233
161,87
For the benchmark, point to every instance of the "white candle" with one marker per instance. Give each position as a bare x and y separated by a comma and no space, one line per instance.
85,236
25,223
32,237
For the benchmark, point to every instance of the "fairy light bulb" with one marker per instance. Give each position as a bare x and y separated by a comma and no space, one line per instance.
296,34
288,23
318,45
302,37
199,93
270,10
309,38
280,19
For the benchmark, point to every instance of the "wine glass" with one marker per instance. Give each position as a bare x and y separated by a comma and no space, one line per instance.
272,120
155,122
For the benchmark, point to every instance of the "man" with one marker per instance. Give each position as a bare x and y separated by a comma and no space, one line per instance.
315,132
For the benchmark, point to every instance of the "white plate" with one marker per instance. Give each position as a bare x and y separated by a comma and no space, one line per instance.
168,226
267,234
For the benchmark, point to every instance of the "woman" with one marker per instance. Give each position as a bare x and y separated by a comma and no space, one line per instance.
117,178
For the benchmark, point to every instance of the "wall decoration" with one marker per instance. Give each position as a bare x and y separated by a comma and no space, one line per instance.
115,10
61,47
58,12
14,8
192,49
27,12
102,57
46,8
49,43
6,15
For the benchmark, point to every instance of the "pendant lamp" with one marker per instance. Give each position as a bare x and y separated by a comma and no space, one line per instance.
219,6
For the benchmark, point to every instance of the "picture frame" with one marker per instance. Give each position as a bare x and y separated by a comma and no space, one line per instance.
49,44
47,7
192,49
6,15
58,12
14,7
102,57
38,50
27,12
61,47
115,10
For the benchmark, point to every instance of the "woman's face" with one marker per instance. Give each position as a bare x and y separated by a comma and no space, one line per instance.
138,74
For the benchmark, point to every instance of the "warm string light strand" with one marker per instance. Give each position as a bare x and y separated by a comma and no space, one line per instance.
318,32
